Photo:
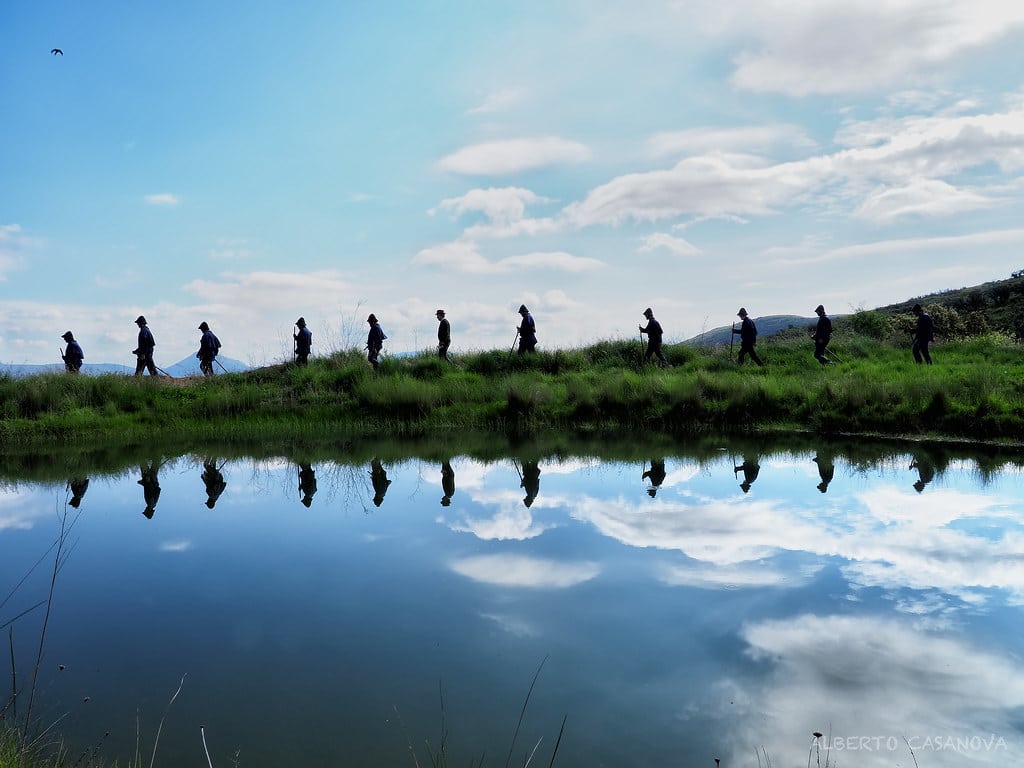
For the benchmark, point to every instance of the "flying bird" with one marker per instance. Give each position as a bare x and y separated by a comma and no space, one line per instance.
55,51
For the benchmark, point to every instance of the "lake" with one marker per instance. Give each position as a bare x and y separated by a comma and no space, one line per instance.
727,602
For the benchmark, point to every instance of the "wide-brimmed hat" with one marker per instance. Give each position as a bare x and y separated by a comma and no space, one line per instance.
372,318
820,308
67,336
300,322
140,320
439,312
742,312
204,326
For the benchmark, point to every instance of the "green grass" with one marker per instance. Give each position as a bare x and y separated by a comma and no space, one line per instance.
975,390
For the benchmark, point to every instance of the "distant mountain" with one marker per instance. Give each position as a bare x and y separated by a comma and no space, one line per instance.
186,367
766,326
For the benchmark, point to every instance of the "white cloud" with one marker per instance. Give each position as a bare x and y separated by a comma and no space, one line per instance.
496,158
921,197
895,682
744,140
525,571
501,205
843,46
161,199
464,256
675,245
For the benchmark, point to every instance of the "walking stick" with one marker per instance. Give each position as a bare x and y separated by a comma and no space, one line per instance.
838,359
165,373
641,348
732,337
513,345
218,362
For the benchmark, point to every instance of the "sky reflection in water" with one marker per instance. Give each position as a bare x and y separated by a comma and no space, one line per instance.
688,611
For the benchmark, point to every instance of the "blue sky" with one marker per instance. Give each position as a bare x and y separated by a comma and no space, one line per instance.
247,163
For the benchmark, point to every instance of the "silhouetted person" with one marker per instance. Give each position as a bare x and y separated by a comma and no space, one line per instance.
379,481
826,469
73,354
924,334
530,481
925,471
150,486
78,486
374,341
822,334
444,335
144,351
654,334
209,346
303,342
307,483
750,469
656,474
748,338
447,483
527,331
214,482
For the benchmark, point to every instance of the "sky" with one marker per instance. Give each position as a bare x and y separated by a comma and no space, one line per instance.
248,163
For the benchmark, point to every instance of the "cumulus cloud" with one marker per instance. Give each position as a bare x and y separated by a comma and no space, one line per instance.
890,167
161,199
497,158
501,205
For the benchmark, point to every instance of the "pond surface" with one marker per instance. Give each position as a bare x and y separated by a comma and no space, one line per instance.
679,609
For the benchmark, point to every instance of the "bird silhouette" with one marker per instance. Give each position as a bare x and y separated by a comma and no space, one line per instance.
55,51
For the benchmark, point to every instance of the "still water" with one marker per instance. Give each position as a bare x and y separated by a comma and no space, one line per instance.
679,609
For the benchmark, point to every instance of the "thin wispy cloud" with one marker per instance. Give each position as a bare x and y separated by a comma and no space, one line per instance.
512,156
499,101
162,199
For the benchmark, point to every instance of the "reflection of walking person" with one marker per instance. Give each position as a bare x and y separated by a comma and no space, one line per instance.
748,338
150,486
307,483
530,482
447,483
656,474
924,334
925,471
826,470
822,335
750,469
379,481
444,335
78,486
214,481
654,335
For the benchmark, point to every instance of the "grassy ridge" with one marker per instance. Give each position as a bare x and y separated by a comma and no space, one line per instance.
975,390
